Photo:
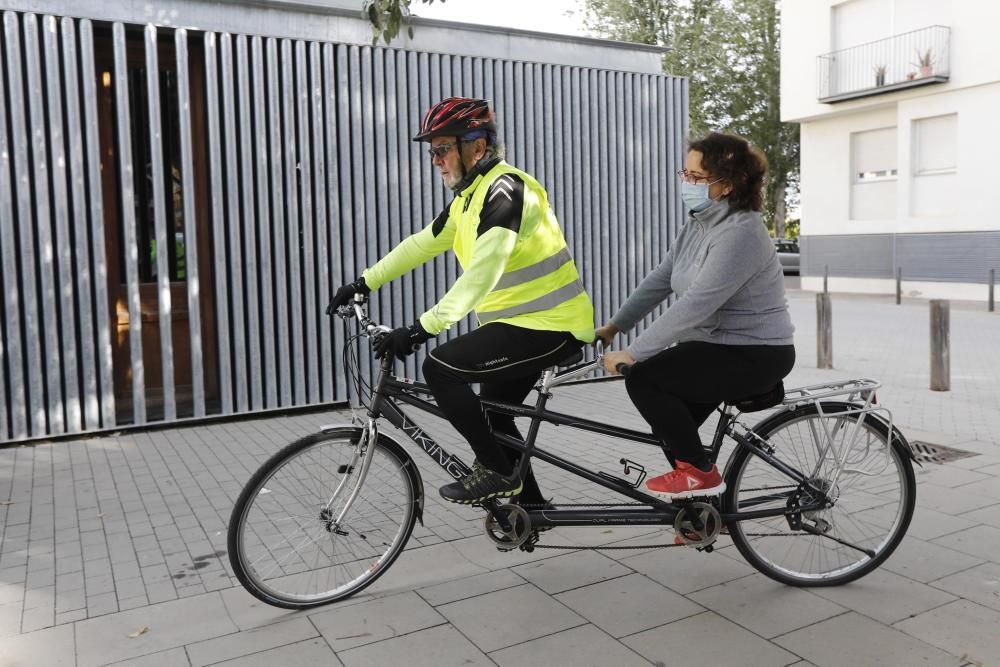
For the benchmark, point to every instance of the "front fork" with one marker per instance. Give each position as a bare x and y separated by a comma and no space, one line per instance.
365,452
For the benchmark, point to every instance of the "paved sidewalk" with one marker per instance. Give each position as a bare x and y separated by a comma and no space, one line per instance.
114,549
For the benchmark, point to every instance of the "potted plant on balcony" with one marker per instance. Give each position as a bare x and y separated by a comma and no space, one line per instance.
925,62
879,75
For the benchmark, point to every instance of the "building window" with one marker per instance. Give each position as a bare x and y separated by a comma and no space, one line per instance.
934,150
873,167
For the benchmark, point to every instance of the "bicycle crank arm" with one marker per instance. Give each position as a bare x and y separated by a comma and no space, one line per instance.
815,531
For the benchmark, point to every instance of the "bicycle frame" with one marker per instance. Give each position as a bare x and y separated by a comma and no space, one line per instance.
389,389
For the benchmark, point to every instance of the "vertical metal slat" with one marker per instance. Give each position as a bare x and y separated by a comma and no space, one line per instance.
218,224
336,248
43,226
264,225
105,361
191,249
81,250
307,276
296,337
346,211
249,226
63,274
234,241
283,357
127,185
18,421
160,226
322,362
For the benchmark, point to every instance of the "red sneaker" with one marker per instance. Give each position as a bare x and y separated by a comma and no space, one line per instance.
687,481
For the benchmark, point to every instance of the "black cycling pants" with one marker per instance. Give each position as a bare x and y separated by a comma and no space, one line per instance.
507,361
676,390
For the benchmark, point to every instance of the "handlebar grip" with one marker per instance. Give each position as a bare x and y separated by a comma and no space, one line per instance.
623,369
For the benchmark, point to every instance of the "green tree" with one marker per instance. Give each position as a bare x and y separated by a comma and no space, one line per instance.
388,16
730,52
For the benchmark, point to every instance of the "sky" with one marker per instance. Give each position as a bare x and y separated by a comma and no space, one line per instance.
560,16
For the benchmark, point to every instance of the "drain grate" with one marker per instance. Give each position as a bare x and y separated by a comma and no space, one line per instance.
926,452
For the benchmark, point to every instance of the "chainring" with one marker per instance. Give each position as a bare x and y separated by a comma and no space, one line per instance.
702,514
520,530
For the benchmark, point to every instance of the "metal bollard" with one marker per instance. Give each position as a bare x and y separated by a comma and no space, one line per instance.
826,274
899,285
993,273
824,331
940,348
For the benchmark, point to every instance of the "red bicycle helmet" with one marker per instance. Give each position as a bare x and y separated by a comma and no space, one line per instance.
456,117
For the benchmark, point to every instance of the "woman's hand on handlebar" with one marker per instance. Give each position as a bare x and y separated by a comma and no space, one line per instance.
613,359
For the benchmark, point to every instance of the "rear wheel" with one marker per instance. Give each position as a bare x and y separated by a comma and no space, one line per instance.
873,496
284,543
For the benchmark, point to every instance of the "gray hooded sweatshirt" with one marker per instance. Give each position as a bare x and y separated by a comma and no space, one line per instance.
729,286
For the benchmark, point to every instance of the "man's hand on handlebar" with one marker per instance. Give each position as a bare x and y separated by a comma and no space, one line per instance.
401,342
606,333
346,293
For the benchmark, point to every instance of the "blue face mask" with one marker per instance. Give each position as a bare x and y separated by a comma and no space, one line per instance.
695,195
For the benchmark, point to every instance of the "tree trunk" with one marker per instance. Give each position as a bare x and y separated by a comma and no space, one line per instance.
779,209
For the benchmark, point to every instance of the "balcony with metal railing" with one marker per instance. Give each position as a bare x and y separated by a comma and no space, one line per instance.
912,59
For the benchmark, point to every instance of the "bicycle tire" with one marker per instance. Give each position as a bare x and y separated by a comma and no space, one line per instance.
393,461
776,431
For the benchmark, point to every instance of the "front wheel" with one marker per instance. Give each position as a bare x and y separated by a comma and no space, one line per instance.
873,496
285,544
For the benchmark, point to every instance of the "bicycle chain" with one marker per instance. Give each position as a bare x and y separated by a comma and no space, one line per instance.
576,547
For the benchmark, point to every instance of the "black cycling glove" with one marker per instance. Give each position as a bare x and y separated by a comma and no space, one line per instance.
401,342
346,293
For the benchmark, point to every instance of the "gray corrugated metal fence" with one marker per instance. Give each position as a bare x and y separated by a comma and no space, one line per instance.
311,176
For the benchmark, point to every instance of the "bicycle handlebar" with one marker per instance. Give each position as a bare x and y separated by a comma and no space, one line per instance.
374,329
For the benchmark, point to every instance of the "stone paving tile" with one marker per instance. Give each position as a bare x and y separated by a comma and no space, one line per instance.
50,647
433,647
852,639
686,570
707,639
950,501
247,612
425,566
360,624
980,541
628,605
460,589
766,607
885,596
962,628
528,613
309,652
927,561
106,638
584,646
928,524
175,657
240,644
573,570
980,584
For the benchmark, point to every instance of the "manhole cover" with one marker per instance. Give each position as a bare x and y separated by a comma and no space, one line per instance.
926,452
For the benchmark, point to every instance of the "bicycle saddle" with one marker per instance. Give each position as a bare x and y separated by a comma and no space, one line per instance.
573,359
768,399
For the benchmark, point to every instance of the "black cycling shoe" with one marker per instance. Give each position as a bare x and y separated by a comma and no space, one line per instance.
480,485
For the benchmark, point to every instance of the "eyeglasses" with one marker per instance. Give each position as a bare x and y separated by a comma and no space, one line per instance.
439,152
694,177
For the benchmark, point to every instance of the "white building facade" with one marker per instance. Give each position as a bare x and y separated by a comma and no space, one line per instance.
898,103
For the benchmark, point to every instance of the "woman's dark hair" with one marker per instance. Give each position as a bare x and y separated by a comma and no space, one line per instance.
735,161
